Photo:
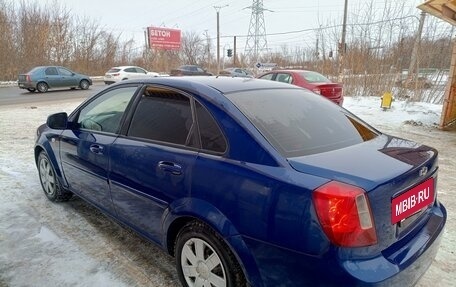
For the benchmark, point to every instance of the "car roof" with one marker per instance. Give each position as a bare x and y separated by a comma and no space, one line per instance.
290,71
124,67
222,84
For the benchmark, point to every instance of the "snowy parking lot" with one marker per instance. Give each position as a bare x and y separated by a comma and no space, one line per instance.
72,244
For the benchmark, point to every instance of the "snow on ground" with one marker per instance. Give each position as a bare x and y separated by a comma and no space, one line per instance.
72,244
401,112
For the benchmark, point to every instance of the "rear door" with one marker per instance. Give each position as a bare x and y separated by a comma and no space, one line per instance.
52,77
151,165
85,148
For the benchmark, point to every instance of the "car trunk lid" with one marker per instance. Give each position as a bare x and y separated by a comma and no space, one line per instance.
330,90
392,171
24,78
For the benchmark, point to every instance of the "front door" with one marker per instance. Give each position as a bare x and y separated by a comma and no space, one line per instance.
151,165
68,78
85,148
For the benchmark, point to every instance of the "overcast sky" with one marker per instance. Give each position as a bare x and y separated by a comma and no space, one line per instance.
131,17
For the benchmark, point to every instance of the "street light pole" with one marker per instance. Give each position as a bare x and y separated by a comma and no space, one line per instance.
217,8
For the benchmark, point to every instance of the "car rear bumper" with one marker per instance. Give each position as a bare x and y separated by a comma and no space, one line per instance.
280,267
26,85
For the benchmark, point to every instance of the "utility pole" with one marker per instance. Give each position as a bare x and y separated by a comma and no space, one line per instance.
323,50
208,43
341,51
413,61
218,8
234,52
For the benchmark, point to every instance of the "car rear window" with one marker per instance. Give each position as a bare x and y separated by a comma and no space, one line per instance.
298,123
34,70
113,70
313,77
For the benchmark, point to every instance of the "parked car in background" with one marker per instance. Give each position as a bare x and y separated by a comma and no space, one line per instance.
121,73
236,72
190,70
311,80
249,183
43,78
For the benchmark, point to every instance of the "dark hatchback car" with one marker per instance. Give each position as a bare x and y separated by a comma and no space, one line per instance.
311,80
190,70
51,77
247,181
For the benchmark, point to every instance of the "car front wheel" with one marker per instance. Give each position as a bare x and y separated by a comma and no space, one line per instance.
204,259
49,182
84,85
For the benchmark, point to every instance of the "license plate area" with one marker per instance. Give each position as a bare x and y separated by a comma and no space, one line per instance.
412,201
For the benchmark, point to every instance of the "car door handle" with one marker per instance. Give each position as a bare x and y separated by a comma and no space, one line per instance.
97,149
170,167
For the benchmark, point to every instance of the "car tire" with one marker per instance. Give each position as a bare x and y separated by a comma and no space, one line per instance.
42,87
84,84
49,182
222,268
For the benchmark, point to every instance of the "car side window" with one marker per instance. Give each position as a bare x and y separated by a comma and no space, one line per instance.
140,71
284,78
51,71
200,70
65,72
130,70
163,115
212,138
105,112
267,76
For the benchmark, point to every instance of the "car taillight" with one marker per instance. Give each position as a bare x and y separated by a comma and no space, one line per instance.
116,74
316,90
345,215
28,79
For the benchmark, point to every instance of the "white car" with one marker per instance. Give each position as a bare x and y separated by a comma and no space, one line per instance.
120,73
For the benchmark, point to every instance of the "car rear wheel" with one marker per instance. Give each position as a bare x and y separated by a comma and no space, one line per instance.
42,87
49,182
31,90
204,259
84,84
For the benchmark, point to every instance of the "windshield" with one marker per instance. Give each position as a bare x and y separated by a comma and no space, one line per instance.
297,123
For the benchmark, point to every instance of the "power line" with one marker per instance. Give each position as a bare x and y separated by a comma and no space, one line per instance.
329,27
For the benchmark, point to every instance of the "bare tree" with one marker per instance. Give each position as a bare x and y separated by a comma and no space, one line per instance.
193,48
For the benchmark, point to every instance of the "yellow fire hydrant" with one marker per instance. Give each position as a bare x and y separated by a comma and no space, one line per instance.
387,100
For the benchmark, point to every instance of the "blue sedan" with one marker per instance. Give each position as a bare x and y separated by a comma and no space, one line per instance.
43,78
249,182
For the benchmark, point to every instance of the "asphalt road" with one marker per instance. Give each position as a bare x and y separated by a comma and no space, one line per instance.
13,95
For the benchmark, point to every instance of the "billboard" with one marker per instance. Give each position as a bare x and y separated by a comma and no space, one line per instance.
164,38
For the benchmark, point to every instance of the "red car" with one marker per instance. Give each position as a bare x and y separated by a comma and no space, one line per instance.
310,80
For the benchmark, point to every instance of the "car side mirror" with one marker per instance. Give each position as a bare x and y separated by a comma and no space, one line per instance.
57,121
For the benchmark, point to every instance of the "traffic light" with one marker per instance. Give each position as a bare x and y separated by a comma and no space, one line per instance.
229,52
